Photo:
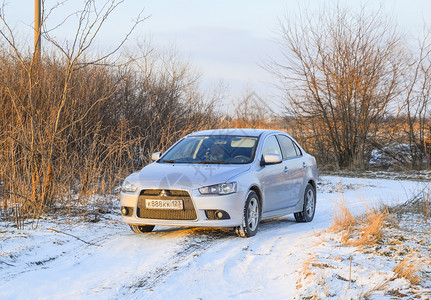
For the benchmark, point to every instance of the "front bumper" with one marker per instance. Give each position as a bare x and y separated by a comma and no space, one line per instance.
233,204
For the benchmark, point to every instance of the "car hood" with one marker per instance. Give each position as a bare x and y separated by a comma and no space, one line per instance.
185,176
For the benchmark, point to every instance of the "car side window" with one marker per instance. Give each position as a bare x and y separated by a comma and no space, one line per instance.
288,147
271,146
298,151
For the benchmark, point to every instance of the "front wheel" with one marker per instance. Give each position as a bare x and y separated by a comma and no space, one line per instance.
251,217
141,228
309,207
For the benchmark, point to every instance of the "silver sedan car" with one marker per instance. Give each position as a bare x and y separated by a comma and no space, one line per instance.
222,178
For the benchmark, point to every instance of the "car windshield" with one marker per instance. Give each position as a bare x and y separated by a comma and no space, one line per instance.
213,149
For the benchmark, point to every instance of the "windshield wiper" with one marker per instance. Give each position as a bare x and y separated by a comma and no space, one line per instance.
212,162
169,161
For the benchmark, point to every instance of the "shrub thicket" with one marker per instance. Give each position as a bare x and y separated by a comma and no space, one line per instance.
68,132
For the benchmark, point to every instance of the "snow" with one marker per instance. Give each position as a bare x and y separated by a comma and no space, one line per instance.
371,273
285,260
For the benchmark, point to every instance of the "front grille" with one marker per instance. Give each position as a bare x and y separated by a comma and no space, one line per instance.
188,213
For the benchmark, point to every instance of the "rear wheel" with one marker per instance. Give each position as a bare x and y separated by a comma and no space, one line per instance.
251,217
141,228
309,207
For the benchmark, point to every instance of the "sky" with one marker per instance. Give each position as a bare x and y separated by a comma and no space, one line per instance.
226,41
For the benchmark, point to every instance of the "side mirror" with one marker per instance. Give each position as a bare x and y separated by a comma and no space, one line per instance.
156,155
271,159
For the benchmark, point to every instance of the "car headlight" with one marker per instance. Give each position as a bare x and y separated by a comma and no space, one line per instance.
127,187
220,189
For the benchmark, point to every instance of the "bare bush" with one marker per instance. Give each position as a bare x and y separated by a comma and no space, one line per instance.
73,125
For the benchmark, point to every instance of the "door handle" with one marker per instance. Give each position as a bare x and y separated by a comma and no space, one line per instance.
304,165
286,170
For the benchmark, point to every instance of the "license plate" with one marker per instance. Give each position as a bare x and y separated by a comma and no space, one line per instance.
164,204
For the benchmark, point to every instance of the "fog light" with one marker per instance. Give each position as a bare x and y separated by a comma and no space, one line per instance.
124,211
219,215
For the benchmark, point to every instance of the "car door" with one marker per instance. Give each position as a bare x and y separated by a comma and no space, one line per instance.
294,165
272,178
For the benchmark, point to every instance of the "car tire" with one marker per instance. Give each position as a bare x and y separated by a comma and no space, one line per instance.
309,207
251,216
141,228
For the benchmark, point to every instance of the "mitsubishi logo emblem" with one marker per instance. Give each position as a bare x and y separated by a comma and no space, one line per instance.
163,193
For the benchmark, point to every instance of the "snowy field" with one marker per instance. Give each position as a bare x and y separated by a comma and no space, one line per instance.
285,260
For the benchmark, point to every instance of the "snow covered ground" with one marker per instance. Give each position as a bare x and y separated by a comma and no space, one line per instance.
285,260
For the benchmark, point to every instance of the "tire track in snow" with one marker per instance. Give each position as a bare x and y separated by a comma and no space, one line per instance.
193,246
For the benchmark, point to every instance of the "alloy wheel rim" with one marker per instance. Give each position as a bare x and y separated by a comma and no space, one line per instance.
253,214
309,207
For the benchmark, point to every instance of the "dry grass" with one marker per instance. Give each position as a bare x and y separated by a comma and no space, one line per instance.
380,231
366,230
409,269
306,270
370,229
378,287
342,219
359,230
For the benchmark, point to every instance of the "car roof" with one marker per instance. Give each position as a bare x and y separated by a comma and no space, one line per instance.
235,131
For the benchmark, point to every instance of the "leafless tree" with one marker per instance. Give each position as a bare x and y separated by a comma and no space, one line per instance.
416,108
341,70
